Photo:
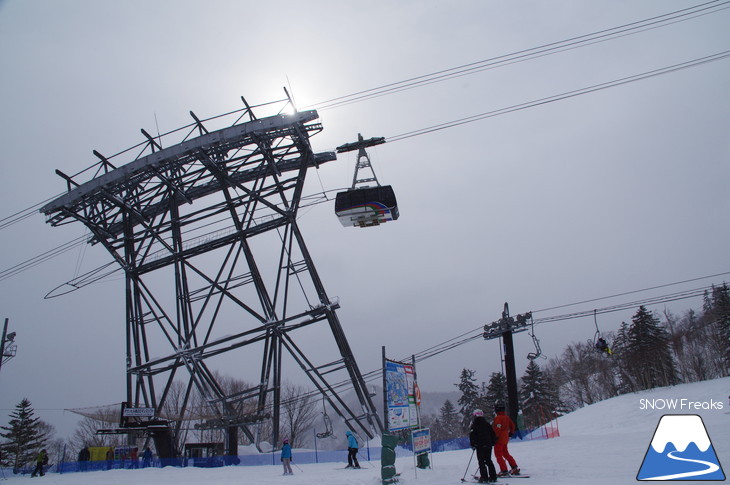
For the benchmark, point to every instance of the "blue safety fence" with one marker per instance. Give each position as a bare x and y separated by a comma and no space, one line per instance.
437,446
367,453
462,443
6,472
84,466
300,457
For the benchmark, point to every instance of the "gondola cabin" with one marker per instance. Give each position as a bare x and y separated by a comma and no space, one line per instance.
366,206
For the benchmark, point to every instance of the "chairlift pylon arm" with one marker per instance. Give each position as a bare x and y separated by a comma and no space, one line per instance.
360,143
363,159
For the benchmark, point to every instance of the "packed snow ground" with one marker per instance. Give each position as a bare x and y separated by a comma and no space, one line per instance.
600,444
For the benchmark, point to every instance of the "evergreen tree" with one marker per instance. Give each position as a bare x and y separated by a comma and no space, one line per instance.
495,390
432,422
621,359
469,396
697,346
449,421
648,352
537,397
717,317
23,435
696,366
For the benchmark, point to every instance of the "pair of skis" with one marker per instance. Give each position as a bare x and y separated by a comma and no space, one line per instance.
475,479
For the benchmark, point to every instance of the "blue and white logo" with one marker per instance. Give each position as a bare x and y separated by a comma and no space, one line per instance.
681,450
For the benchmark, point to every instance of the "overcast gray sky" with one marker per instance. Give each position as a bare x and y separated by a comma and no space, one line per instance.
600,194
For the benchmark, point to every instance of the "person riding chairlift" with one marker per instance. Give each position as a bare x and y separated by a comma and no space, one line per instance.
602,346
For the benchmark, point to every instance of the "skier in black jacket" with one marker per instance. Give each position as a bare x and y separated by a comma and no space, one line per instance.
482,438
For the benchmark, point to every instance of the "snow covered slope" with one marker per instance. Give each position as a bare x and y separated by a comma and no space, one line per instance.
605,443
600,444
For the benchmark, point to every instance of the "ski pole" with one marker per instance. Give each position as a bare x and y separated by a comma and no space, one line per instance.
473,450
297,466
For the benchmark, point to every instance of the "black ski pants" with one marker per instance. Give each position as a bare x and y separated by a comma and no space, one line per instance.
38,470
486,466
352,457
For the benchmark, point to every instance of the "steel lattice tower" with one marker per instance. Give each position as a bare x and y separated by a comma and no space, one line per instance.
205,231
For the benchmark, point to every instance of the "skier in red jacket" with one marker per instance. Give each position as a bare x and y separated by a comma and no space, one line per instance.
503,427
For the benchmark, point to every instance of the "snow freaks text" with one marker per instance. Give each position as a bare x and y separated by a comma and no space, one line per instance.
679,404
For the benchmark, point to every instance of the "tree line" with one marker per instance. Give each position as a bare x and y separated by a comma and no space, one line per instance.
651,351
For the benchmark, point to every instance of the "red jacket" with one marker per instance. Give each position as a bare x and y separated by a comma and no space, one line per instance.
503,427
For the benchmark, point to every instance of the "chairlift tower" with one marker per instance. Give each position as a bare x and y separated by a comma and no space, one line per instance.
504,328
203,223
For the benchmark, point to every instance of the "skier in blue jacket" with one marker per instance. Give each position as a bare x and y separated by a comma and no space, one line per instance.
352,448
286,458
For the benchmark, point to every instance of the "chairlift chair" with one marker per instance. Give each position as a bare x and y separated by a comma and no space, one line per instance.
599,343
328,432
536,342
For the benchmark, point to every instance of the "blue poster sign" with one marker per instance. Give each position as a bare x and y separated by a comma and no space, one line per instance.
421,441
400,396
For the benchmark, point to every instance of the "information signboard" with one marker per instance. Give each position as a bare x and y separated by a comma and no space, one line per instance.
421,440
139,412
401,395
